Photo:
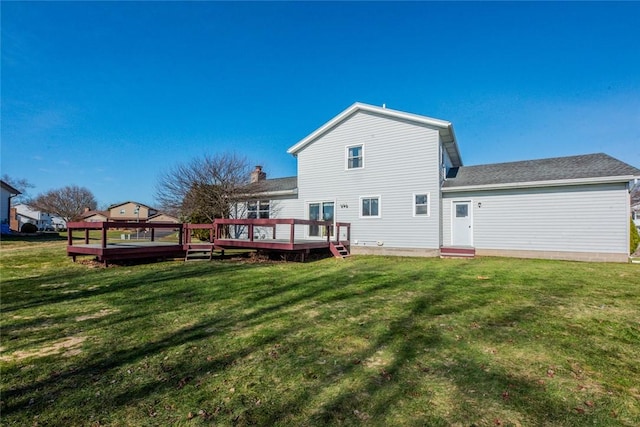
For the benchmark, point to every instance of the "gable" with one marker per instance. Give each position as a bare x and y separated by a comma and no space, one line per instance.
444,128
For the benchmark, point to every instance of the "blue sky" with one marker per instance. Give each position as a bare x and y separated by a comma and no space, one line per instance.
107,95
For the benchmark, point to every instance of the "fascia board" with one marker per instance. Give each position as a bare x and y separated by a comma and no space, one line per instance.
533,184
269,193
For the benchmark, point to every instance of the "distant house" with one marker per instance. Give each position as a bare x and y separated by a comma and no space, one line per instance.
163,218
7,192
128,211
95,216
635,214
43,221
399,179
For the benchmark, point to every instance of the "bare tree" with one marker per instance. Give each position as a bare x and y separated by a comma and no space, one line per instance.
68,202
205,188
635,193
19,184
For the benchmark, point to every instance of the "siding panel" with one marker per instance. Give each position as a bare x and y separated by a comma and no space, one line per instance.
587,218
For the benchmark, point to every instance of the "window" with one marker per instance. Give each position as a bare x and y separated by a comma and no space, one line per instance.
370,207
462,211
421,204
122,211
355,158
258,209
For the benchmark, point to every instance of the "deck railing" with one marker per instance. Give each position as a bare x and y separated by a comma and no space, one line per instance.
222,225
217,230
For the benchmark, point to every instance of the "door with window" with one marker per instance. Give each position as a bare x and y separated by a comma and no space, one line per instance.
461,224
320,211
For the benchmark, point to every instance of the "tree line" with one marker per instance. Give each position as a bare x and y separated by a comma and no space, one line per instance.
197,191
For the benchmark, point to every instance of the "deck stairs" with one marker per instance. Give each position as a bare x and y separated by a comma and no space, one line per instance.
457,252
198,252
339,250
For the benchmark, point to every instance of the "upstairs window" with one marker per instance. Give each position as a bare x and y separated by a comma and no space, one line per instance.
355,157
258,209
421,204
122,211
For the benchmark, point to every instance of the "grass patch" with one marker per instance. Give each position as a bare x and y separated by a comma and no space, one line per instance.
362,341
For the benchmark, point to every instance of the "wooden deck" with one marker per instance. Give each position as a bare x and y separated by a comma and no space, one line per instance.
277,235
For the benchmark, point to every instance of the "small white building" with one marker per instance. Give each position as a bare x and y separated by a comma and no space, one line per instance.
42,220
399,179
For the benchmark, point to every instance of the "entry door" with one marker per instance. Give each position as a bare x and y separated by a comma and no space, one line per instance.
461,224
321,211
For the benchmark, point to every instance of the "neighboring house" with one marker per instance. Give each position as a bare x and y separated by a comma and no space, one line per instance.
7,192
163,218
44,221
399,179
95,216
130,212
635,214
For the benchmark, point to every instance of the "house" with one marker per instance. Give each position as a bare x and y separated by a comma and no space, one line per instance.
399,179
128,211
23,214
7,192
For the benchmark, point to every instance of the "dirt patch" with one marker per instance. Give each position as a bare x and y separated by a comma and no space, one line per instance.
97,315
69,346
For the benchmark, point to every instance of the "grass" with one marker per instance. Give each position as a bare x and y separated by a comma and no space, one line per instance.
362,341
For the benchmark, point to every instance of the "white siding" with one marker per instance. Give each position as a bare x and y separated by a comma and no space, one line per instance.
5,198
587,218
400,159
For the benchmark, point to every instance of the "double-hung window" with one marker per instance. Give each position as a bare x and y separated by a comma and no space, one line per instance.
370,207
355,157
258,209
421,204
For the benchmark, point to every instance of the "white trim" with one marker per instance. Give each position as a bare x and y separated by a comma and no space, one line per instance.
428,214
532,184
370,216
453,213
346,156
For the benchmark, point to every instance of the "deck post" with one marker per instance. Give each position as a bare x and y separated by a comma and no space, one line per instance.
86,236
292,235
153,234
251,232
274,232
104,236
181,235
328,231
70,237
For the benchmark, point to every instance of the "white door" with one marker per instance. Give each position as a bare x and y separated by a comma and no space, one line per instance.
461,224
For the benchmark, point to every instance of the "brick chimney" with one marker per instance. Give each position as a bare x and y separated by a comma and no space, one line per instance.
258,175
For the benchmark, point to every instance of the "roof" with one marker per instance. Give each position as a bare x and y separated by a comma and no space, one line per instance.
9,188
92,213
444,128
276,186
593,168
115,205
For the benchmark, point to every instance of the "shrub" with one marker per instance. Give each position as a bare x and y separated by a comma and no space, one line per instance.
29,228
634,239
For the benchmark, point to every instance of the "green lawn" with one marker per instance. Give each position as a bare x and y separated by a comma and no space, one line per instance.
363,341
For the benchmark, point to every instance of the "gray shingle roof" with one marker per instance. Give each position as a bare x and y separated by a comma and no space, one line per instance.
558,168
277,184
